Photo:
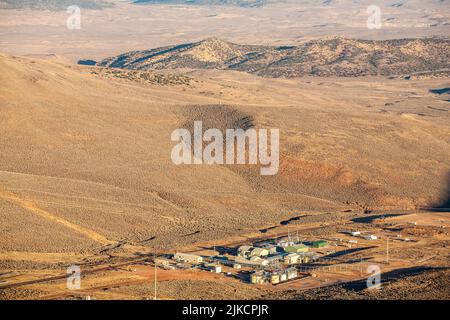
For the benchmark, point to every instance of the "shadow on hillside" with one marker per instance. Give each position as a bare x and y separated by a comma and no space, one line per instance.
443,205
371,218
440,91
393,275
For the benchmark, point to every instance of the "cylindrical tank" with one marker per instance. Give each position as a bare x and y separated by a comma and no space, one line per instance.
256,278
275,278
292,273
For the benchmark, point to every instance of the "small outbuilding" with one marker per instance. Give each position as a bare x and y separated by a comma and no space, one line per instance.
216,268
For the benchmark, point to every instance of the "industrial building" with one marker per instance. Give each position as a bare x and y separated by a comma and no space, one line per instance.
276,258
259,252
249,251
319,244
253,261
259,261
274,277
296,248
258,277
187,257
243,250
163,262
275,250
285,242
292,258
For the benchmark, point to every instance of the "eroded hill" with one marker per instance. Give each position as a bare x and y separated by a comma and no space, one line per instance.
328,57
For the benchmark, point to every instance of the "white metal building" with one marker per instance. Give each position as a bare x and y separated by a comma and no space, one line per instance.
187,257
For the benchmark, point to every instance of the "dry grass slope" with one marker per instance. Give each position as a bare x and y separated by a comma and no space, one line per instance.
91,150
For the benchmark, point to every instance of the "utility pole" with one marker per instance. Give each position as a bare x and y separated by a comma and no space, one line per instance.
154,262
289,236
387,250
360,266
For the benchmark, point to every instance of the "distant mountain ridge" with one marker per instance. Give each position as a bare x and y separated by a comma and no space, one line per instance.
53,4
324,57
239,3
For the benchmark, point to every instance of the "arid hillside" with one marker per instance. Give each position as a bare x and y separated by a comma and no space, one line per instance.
85,159
330,57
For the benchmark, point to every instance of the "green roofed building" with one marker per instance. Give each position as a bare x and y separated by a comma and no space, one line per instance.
296,248
319,244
